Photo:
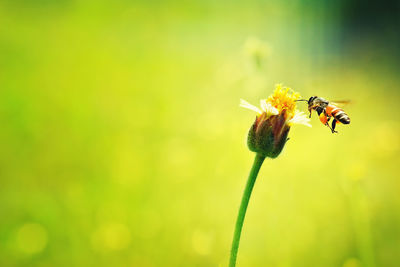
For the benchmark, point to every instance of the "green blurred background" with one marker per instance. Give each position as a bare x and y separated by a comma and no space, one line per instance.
122,142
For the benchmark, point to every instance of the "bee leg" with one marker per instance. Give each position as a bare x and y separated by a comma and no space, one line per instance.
333,131
333,126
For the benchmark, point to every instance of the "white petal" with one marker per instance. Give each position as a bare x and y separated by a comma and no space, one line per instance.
245,104
300,118
263,105
270,110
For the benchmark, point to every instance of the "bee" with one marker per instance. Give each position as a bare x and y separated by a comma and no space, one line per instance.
326,111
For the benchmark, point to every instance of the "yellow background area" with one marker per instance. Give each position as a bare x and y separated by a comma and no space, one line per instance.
122,142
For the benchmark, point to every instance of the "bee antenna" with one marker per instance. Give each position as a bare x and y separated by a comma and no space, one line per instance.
302,100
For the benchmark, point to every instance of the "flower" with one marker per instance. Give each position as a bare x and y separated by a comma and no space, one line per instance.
268,134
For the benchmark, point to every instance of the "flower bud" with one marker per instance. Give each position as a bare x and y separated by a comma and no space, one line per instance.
268,135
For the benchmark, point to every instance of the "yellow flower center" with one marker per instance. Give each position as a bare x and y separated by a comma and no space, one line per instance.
284,98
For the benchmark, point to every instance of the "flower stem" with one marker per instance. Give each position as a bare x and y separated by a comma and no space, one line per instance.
258,161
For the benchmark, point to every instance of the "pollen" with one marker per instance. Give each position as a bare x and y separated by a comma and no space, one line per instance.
284,98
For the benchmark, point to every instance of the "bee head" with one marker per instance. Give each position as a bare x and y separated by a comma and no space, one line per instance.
311,99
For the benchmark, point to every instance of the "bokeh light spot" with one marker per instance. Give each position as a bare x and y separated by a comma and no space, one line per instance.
352,262
111,236
31,238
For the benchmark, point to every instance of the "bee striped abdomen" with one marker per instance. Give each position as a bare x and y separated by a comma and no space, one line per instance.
340,115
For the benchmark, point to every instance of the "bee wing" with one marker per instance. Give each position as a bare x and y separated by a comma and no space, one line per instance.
341,103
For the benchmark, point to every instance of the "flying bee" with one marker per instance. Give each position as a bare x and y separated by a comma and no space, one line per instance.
326,111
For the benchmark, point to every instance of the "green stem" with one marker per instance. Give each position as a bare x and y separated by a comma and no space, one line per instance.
258,161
